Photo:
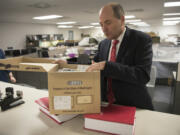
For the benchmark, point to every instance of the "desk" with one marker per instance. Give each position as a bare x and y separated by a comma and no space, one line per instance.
166,60
169,68
165,66
26,119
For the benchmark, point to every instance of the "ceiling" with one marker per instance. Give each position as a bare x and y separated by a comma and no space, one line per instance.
83,12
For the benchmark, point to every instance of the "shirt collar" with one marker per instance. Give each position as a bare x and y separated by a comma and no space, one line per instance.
121,35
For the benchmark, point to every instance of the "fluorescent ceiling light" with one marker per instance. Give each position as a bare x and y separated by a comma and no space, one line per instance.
172,4
129,16
98,27
47,17
172,18
85,27
170,22
136,20
169,14
94,23
167,24
140,23
66,23
64,26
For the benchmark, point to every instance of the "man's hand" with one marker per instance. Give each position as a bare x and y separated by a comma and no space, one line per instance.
60,62
96,66
12,78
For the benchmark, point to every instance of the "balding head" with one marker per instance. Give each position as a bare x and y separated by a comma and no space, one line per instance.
111,18
116,8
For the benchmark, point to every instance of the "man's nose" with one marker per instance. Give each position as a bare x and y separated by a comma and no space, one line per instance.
104,28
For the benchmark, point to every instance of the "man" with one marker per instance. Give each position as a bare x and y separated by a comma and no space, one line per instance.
125,65
5,76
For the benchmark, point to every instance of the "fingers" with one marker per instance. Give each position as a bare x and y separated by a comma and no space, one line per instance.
89,69
93,67
60,62
92,62
96,66
13,80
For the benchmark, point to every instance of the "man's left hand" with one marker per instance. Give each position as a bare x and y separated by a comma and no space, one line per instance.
13,79
96,66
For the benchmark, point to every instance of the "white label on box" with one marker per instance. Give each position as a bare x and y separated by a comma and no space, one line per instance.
62,102
84,99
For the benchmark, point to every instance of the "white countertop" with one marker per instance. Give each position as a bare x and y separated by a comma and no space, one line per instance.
26,119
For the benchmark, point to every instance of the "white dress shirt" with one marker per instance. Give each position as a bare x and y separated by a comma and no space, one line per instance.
120,38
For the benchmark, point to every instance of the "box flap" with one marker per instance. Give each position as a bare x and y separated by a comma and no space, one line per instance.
27,64
46,67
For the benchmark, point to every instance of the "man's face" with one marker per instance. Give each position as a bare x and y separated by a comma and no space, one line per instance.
111,26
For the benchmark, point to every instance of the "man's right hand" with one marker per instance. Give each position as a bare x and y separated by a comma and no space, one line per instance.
96,66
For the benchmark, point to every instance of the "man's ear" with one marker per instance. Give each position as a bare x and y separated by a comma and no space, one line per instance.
123,20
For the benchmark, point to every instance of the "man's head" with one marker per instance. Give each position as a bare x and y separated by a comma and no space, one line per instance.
112,20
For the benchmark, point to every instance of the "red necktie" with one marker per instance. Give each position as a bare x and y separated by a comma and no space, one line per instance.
110,94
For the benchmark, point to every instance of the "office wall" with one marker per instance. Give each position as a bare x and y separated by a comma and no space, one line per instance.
14,34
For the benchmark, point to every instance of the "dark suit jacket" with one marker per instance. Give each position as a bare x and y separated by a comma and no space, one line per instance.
130,72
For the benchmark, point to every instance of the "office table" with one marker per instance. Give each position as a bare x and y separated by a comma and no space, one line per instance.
167,60
165,69
26,119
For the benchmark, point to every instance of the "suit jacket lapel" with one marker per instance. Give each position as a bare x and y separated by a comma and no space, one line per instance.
107,49
124,45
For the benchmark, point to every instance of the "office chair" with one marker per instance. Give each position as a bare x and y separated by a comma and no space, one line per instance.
8,53
45,54
33,50
83,59
24,51
16,53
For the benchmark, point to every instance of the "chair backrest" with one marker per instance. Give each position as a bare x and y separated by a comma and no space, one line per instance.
8,52
45,54
83,59
152,81
24,51
16,53
33,50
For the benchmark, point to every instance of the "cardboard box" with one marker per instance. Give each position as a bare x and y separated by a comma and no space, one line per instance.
73,92
69,92
27,64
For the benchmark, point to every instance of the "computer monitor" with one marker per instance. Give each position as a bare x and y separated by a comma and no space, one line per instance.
8,52
16,53
44,54
24,51
33,50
